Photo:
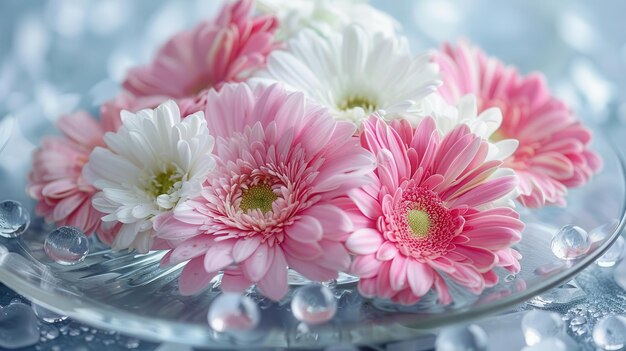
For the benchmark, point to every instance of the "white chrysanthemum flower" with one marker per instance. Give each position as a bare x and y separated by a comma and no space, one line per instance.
154,162
485,124
354,73
325,16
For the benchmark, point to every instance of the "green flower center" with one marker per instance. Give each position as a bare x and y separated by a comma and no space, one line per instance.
419,223
367,104
163,182
258,197
497,136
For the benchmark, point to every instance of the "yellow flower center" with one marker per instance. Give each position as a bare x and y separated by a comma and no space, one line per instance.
419,223
497,136
163,182
258,197
367,104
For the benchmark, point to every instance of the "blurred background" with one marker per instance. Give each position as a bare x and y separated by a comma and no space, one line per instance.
60,55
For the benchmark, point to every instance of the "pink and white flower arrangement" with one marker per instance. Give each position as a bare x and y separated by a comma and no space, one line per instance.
337,151
283,167
553,153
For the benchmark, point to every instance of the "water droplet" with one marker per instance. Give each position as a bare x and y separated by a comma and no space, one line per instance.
509,278
539,325
18,326
233,313
314,304
66,245
132,343
579,320
563,295
613,254
49,332
553,344
619,275
89,337
46,315
570,242
461,338
173,347
14,219
344,347
610,333
600,234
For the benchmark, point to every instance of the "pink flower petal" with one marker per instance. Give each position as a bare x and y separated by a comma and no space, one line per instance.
333,220
60,188
245,247
420,277
398,273
364,241
274,283
311,269
484,260
367,287
365,266
335,257
442,291
258,264
306,230
302,251
194,278
386,251
368,205
234,281
190,249
219,256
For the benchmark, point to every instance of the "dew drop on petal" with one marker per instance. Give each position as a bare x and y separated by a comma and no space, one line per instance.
570,242
613,254
232,312
461,338
14,219
314,304
609,333
540,325
66,245
18,326
46,315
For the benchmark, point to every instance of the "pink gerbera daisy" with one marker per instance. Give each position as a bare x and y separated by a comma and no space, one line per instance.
553,152
283,165
56,179
226,49
429,213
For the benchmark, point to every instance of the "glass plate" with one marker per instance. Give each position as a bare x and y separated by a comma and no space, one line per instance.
131,294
